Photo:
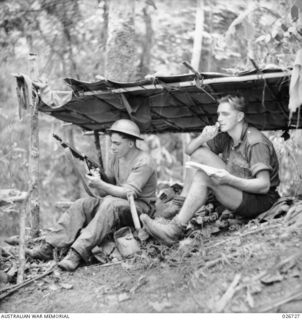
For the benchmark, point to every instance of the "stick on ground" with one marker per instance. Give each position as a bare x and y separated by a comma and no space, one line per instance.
12,289
225,299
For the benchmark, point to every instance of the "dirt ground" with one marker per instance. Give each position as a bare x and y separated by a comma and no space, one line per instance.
256,268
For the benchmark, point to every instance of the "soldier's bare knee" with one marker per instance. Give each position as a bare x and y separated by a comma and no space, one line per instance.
201,155
201,178
197,155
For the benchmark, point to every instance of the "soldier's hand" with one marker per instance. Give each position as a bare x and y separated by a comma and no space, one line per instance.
209,132
93,179
95,172
221,176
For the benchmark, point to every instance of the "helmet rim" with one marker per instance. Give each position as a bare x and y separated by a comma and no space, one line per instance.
126,126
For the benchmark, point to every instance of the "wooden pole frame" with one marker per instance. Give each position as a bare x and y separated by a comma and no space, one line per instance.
192,83
98,148
34,153
31,202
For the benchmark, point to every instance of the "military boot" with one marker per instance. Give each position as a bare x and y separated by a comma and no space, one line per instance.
166,231
71,261
43,252
171,208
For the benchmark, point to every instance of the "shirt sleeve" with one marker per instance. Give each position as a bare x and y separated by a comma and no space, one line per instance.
260,158
218,143
138,177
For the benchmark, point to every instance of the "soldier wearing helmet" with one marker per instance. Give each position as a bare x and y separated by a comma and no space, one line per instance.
88,221
126,127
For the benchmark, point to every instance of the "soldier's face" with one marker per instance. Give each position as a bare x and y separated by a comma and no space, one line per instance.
228,117
119,145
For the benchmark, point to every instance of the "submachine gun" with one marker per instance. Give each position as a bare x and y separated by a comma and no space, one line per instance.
90,164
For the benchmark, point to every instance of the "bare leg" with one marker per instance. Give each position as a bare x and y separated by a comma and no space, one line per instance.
189,174
196,197
230,197
200,157
197,194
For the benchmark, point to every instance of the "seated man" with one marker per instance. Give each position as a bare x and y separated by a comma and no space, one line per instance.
89,220
245,182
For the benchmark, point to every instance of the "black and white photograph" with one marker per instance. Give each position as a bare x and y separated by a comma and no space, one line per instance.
150,159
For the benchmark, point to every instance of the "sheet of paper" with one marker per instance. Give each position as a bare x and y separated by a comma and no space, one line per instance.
207,169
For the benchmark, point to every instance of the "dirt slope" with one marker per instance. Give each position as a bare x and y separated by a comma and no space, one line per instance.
257,268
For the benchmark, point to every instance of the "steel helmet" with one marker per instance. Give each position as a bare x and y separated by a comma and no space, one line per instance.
127,127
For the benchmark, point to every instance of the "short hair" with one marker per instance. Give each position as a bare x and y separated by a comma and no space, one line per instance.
237,102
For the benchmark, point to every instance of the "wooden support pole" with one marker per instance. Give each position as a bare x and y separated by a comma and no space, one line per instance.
34,205
22,235
22,245
98,148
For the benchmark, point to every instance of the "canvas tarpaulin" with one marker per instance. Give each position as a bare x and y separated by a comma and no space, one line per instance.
183,103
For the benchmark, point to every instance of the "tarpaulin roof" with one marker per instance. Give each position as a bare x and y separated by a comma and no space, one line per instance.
184,103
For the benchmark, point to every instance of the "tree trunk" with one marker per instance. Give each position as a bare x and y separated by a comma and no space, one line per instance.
120,50
120,47
250,33
145,57
197,46
250,41
105,18
210,56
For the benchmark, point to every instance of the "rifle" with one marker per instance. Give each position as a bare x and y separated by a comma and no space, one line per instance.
90,164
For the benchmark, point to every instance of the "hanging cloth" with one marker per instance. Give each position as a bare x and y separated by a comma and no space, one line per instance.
295,87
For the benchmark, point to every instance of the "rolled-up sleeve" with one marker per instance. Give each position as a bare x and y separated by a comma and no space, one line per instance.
259,158
138,177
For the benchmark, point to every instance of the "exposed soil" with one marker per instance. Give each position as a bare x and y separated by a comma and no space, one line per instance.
264,262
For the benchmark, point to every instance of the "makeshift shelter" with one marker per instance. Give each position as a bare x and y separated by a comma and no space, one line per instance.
183,103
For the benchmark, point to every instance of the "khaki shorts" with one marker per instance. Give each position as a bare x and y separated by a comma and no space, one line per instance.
253,204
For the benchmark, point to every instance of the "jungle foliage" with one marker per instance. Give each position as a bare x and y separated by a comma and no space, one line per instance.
70,36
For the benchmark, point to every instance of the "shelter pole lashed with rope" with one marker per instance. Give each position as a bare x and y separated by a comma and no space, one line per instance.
34,205
98,148
33,194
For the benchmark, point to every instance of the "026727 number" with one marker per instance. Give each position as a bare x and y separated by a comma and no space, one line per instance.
290,315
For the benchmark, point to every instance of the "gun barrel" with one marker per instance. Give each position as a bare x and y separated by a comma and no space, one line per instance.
57,137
